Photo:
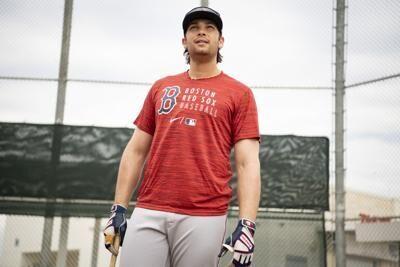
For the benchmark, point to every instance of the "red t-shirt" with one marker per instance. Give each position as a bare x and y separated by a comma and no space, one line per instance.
194,124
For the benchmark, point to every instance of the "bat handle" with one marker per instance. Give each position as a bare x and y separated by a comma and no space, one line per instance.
113,259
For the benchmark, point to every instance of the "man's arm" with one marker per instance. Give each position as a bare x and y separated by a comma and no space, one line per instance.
131,165
249,181
241,241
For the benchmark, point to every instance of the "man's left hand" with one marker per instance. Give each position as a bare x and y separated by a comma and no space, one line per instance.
241,243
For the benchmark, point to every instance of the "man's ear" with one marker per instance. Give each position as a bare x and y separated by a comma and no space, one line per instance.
184,42
221,42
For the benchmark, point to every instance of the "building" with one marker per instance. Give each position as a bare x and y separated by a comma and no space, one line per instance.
369,220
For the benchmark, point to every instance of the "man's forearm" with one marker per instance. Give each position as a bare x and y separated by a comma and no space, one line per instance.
128,175
249,186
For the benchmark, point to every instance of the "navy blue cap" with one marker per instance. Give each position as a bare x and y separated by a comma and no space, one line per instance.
202,12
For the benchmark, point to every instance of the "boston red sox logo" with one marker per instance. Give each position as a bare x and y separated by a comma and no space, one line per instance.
169,99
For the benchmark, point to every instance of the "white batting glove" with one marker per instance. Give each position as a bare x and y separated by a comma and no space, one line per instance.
241,243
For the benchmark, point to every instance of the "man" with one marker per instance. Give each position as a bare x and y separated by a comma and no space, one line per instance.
185,131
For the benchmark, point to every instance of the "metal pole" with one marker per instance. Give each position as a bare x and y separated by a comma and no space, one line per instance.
95,246
204,3
45,252
59,118
340,240
62,245
63,71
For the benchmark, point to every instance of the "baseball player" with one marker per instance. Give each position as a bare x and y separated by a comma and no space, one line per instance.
185,131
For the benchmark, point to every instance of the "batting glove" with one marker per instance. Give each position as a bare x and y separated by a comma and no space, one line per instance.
116,225
241,243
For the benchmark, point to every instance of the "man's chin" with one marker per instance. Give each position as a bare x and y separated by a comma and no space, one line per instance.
203,54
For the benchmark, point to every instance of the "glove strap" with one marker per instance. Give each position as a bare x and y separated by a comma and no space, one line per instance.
248,224
118,208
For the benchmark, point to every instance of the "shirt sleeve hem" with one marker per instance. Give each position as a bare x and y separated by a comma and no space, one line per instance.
258,137
143,128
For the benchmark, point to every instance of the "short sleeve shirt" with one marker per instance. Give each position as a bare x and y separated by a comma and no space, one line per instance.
195,124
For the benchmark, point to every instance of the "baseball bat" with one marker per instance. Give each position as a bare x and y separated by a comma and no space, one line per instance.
113,259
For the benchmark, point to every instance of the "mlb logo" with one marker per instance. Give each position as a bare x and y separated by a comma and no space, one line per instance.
190,122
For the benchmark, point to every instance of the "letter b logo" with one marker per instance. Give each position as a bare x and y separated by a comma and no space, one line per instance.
169,99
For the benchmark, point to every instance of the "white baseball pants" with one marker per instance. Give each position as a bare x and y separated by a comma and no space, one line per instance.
165,239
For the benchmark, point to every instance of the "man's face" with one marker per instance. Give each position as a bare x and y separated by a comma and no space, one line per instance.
202,39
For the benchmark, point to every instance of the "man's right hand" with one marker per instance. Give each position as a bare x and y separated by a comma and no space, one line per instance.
116,225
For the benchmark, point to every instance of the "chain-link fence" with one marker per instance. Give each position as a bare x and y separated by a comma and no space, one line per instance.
287,239
372,126
23,240
304,237
282,49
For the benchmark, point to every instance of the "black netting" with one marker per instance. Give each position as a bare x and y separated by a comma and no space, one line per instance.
294,172
81,162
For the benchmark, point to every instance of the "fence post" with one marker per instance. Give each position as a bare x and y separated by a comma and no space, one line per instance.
340,238
59,118
95,246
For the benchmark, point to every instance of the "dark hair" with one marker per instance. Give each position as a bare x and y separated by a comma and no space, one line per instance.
187,56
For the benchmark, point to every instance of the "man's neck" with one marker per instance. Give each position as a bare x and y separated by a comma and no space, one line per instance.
203,70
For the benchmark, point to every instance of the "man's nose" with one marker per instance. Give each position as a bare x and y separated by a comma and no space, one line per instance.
202,31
